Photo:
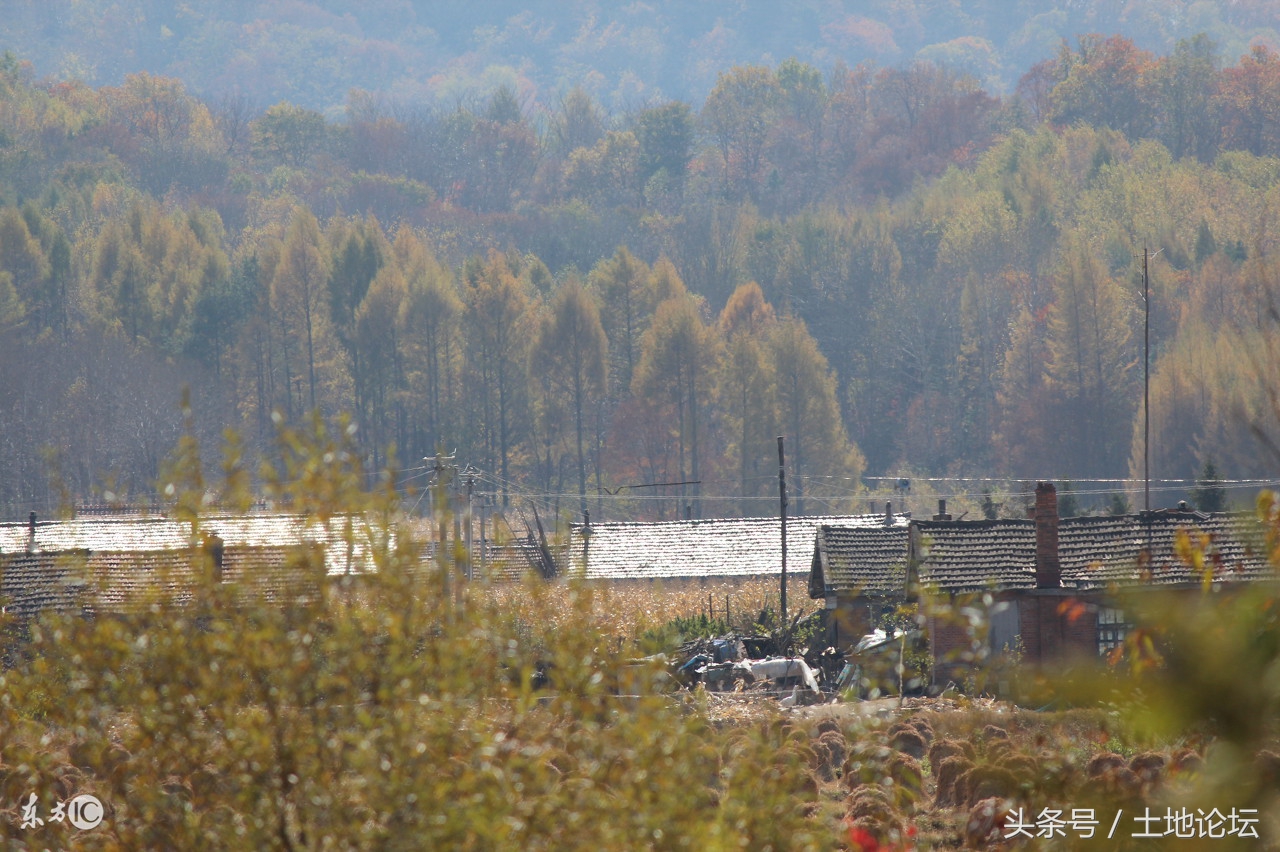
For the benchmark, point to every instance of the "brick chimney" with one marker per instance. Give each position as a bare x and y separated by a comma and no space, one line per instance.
1048,571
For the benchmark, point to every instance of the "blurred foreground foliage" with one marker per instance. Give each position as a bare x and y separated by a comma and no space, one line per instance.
392,710
399,708
1197,674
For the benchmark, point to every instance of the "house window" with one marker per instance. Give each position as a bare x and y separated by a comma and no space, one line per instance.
1113,626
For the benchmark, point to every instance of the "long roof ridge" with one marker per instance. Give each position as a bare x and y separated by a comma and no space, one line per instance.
743,519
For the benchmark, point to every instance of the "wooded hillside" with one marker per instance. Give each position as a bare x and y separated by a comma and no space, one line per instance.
892,266
627,55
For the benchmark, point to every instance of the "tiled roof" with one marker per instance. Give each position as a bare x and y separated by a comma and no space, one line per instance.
969,556
30,582
724,547
103,581
274,575
871,559
1096,551
122,533
133,580
137,534
962,556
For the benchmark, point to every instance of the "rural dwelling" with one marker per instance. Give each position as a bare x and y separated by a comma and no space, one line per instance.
121,563
705,549
1048,578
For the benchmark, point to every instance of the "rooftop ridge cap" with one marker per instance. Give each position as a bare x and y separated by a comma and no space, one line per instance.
755,519
973,522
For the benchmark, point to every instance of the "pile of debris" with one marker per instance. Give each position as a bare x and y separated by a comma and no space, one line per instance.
756,665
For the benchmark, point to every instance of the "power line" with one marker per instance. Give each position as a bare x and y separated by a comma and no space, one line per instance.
835,489
548,496
516,488
1033,479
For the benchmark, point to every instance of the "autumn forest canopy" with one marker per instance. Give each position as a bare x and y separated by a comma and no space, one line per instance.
896,266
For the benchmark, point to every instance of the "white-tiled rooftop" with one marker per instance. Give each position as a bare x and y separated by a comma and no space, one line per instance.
723,547
141,534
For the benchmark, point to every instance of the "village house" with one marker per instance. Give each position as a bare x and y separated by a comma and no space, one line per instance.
1045,584
1048,582
120,563
123,563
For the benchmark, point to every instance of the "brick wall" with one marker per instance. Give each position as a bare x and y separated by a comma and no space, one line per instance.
848,623
1080,629
1052,627
951,645
1057,626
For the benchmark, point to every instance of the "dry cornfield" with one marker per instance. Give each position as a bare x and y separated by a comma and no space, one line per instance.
624,612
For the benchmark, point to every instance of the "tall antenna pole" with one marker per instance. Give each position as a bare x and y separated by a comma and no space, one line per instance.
782,507
1146,381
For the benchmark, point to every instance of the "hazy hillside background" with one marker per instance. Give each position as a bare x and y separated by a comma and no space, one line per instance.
623,54
589,246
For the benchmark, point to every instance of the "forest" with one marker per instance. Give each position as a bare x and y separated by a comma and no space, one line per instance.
626,55
902,270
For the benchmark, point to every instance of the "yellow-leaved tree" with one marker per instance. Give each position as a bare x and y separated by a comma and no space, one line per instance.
676,358
570,354
828,466
745,392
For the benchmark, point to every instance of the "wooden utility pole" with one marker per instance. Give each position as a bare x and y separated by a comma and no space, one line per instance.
1146,388
1146,382
782,508
443,475
470,481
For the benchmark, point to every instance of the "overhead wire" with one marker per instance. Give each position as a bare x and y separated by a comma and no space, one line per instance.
547,501
829,490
